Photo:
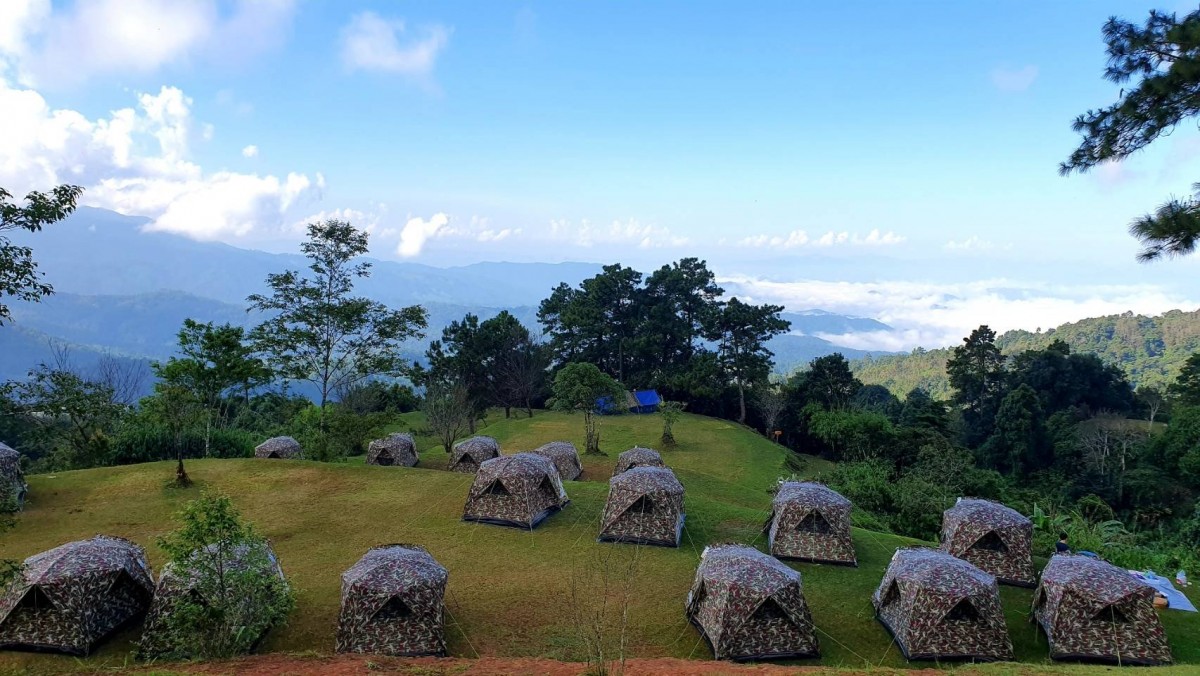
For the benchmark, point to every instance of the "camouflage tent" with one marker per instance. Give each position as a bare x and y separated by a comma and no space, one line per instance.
638,457
645,506
995,538
565,457
156,640
939,607
810,522
1092,610
392,603
394,449
515,490
12,481
468,455
280,448
71,597
749,606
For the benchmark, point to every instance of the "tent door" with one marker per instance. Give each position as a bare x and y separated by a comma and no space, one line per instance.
496,488
35,599
991,542
769,610
384,459
814,522
892,594
963,611
394,609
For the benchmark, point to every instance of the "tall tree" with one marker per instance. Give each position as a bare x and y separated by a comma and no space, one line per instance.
1159,65
1018,443
317,331
578,388
680,305
447,408
976,372
179,407
744,330
597,322
214,363
830,382
19,276
459,357
1186,388
514,364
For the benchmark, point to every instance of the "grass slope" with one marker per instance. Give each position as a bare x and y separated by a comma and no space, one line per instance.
509,590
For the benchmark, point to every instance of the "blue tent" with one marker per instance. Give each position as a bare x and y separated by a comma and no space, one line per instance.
647,401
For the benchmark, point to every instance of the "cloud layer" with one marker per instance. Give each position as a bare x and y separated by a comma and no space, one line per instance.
373,43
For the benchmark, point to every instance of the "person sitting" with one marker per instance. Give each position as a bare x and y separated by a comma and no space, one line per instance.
1062,547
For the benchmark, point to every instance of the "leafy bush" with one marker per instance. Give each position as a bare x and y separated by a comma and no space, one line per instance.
138,442
235,598
346,433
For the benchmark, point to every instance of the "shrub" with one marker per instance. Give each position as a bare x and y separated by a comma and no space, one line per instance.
140,442
233,603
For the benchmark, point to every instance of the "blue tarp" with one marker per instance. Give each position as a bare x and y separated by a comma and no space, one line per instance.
1175,598
640,401
647,400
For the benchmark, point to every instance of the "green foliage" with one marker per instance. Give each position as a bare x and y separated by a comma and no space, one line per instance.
578,388
828,381
1158,66
743,331
346,433
1018,441
375,396
140,438
853,435
236,597
1186,388
317,331
19,276
71,417
975,370
671,412
447,408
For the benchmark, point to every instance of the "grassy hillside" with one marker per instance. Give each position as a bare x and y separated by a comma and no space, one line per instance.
509,590
1149,350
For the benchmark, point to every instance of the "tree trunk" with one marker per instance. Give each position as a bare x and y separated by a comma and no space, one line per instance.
529,408
182,480
741,402
507,412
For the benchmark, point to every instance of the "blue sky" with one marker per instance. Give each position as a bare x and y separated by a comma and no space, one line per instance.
860,156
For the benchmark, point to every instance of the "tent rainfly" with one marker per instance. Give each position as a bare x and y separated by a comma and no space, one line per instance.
69,598
515,490
156,639
469,454
810,522
396,448
937,606
638,457
996,539
749,606
645,507
12,482
279,448
1092,610
392,604
565,457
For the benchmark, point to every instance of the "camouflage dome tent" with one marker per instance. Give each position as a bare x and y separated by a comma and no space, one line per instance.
645,507
155,640
394,449
638,457
565,457
71,597
468,455
996,539
280,448
392,604
12,482
1092,610
515,490
810,522
749,606
937,606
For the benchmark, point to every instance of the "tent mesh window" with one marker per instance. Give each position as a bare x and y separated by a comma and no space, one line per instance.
892,594
35,599
1111,614
769,610
643,505
394,609
813,522
698,596
547,489
963,611
123,585
496,488
990,542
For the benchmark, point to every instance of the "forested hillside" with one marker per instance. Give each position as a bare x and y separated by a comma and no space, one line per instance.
1149,350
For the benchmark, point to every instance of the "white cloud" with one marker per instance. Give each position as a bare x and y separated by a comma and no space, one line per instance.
137,161
973,243
930,314
627,232
371,42
799,238
417,231
250,151
96,37
1014,79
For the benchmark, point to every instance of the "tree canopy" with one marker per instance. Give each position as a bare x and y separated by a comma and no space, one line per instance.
19,276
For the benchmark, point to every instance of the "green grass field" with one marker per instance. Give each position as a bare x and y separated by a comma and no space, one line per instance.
509,591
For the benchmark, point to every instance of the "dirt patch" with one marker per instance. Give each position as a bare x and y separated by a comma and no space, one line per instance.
347,665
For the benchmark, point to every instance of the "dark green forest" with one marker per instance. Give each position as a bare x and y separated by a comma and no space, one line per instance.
1148,350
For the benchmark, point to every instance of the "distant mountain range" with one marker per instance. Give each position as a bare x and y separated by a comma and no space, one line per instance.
124,291
1149,350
